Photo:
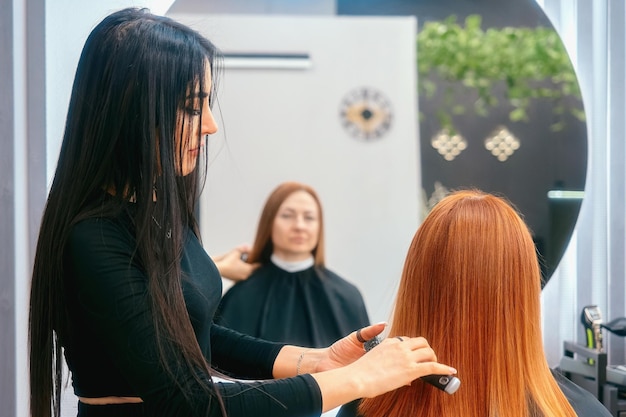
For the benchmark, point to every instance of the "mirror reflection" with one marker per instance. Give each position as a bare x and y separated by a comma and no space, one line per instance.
500,110
499,106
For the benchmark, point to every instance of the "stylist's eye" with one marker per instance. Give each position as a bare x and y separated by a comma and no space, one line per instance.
193,112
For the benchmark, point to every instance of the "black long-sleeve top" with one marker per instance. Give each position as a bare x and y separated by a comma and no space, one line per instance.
111,349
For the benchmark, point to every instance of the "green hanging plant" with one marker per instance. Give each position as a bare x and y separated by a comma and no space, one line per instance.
531,63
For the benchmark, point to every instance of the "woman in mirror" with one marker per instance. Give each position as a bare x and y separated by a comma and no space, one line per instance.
471,285
122,287
292,297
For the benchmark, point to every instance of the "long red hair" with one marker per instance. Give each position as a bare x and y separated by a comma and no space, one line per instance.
471,286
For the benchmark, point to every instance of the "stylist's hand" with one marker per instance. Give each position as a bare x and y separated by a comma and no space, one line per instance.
397,361
349,349
232,266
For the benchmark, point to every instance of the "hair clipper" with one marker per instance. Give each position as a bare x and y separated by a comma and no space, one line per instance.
591,318
447,383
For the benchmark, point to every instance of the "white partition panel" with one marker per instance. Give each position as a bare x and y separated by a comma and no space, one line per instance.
280,119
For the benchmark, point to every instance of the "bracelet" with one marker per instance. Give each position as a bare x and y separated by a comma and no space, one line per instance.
299,363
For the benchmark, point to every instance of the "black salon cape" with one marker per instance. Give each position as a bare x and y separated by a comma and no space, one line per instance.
314,307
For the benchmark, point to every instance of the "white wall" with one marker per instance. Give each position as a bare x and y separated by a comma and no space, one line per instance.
68,23
310,7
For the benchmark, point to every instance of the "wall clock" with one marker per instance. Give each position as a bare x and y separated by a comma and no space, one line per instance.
366,113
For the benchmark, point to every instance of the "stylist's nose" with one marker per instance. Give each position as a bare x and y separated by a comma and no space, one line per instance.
209,126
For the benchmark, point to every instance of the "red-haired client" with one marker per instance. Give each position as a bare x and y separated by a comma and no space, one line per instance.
471,285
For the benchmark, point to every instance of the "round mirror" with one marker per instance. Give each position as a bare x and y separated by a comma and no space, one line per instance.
500,109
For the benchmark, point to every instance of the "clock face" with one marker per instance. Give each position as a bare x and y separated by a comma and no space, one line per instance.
366,113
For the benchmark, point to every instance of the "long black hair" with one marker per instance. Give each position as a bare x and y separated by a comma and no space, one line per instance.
123,137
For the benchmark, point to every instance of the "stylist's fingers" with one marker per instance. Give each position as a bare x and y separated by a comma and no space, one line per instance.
244,248
366,333
419,345
398,361
348,349
415,356
423,358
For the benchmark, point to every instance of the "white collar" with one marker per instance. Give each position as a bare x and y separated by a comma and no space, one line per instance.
293,266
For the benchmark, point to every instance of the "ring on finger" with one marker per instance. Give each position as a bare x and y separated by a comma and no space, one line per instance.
359,337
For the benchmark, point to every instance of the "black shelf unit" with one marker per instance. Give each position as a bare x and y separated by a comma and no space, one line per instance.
588,369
